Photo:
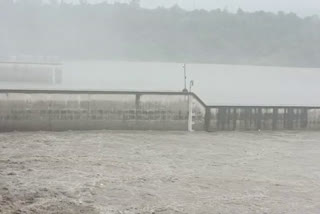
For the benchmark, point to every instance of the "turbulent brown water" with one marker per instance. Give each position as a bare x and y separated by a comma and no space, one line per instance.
159,172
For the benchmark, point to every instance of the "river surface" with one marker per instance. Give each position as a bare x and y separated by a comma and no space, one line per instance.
215,84
159,172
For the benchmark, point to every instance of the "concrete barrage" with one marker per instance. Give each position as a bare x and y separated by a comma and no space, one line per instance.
33,110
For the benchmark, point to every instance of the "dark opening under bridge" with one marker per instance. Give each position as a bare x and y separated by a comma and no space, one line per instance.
58,110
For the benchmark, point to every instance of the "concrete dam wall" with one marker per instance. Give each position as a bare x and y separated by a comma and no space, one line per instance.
228,118
57,111
33,110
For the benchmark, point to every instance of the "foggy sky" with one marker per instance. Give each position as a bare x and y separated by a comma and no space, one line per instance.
301,7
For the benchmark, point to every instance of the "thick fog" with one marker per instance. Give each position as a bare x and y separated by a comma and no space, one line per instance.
235,56
127,31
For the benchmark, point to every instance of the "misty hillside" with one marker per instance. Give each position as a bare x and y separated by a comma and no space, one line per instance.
127,32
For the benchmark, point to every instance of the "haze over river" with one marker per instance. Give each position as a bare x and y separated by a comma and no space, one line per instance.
215,84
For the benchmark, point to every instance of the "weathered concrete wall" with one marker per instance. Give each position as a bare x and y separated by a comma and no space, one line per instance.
67,110
263,118
42,111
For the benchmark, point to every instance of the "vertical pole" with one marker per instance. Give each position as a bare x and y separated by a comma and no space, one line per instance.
185,75
190,122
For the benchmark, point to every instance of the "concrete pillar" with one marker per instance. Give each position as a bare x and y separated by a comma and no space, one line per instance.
246,118
138,106
259,118
190,122
275,119
234,118
221,118
304,118
207,119
290,118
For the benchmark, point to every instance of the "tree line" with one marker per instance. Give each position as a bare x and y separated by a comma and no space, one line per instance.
128,32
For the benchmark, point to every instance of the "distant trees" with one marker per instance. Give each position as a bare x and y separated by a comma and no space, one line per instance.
123,31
